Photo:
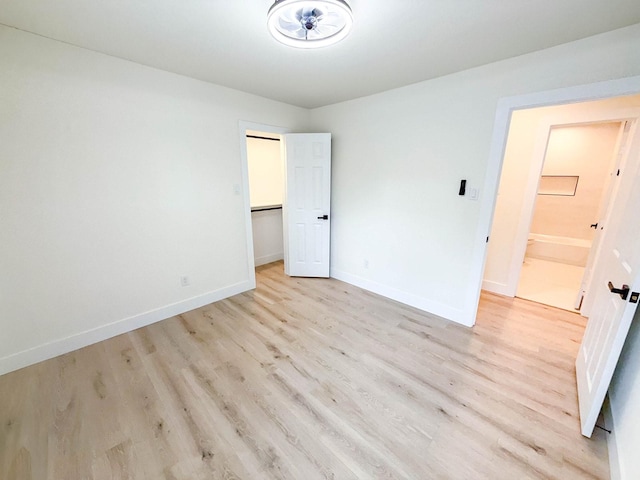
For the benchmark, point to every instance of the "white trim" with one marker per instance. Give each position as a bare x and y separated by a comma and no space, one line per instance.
612,444
429,306
104,332
274,257
243,126
496,287
506,105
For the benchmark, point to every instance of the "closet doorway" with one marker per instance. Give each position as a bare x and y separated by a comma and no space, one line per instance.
266,191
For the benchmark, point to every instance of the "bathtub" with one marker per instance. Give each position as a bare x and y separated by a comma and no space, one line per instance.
573,251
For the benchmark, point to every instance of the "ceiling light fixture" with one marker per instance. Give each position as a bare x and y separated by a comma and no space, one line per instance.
309,23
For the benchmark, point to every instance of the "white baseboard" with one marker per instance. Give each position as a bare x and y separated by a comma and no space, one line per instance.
429,306
612,445
104,332
269,258
495,287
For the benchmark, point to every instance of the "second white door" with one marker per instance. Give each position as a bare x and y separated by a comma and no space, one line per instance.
307,215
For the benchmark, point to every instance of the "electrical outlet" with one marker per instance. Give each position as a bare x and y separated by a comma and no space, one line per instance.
236,189
473,194
366,263
185,281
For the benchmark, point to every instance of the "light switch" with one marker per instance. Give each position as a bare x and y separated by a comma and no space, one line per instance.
473,193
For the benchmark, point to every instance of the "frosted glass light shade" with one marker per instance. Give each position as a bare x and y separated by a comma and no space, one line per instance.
309,23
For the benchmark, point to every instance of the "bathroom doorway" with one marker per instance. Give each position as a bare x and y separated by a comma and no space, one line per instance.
553,257
571,198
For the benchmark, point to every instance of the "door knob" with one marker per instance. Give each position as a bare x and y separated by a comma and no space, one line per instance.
324,217
623,292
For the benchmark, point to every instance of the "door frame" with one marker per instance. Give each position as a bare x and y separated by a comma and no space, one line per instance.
608,115
243,126
506,106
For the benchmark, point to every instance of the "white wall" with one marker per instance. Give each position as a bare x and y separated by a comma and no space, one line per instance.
519,158
624,397
268,245
584,151
398,158
116,179
266,173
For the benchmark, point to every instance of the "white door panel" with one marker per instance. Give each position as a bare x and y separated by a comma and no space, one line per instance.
584,301
307,203
611,315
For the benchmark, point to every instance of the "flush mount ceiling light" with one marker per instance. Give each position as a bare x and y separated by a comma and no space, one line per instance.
309,23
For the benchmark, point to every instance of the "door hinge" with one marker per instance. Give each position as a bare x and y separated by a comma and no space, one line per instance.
487,240
618,174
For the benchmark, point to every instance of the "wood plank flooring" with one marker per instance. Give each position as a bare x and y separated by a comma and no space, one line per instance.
308,379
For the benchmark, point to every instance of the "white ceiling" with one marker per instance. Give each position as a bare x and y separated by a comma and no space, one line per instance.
393,43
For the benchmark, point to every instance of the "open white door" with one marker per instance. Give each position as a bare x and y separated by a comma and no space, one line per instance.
307,204
617,272
621,152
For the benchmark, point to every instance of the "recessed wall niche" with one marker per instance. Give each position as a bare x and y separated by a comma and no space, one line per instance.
559,185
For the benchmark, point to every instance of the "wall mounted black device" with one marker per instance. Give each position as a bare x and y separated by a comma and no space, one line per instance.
463,187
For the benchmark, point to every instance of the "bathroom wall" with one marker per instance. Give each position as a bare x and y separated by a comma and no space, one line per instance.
584,151
266,175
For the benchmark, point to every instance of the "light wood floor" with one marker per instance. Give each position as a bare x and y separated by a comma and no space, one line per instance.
304,379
